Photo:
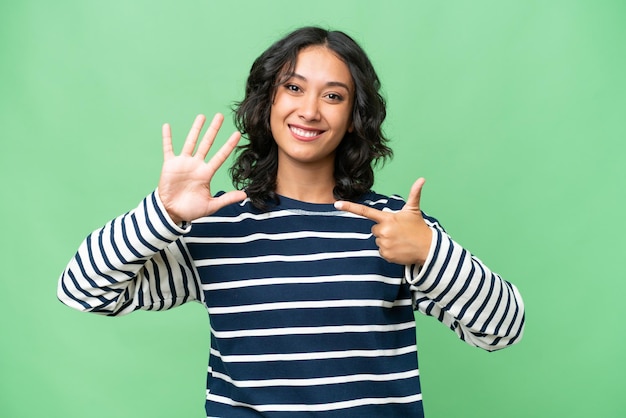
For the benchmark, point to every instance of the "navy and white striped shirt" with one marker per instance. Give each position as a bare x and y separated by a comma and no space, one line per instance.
307,319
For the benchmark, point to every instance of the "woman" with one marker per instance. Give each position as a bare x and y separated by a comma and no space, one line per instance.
310,278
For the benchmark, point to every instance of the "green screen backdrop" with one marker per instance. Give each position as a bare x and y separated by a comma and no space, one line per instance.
514,111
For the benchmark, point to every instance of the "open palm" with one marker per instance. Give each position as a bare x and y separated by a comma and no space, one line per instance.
184,186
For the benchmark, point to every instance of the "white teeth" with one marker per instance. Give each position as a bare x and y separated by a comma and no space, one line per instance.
304,133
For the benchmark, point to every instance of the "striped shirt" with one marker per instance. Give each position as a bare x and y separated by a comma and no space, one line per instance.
307,319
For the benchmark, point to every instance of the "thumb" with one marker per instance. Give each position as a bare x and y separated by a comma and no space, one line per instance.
226,199
413,202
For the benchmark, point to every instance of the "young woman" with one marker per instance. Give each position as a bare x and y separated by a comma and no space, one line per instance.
310,278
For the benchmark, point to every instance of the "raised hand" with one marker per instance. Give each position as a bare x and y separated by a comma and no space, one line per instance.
184,186
402,237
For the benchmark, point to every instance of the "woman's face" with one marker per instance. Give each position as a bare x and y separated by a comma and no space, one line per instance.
312,109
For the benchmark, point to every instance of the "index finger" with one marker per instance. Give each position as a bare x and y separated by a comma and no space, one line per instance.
361,210
222,154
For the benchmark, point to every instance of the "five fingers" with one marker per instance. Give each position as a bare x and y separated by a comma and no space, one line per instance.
205,144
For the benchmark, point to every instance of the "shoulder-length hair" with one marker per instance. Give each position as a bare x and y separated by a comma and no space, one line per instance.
256,164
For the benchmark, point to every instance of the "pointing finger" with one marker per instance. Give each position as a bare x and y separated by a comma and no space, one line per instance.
361,210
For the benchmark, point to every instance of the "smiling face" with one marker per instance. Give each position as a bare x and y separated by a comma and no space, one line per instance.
312,109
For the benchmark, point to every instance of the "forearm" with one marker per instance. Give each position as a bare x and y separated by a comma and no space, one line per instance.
459,290
125,265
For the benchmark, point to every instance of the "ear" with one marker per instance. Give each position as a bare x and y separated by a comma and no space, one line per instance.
351,127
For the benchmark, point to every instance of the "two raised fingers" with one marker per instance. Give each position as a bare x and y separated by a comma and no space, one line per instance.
378,216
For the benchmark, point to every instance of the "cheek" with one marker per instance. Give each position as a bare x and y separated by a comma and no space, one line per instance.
278,108
347,120
275,121
347,116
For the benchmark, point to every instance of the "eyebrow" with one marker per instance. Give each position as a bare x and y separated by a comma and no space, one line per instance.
329,83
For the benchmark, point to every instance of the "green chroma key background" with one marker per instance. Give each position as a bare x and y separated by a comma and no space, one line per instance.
513,111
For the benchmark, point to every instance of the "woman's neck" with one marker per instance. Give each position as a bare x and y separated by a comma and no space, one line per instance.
306,183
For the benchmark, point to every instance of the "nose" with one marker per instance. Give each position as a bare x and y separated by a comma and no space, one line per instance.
309,108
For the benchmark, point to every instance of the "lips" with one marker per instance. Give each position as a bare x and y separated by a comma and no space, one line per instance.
305,134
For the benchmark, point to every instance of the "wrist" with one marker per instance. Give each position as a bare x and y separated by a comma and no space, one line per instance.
173,217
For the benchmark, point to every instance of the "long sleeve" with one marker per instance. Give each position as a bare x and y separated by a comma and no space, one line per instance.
460,291
136,261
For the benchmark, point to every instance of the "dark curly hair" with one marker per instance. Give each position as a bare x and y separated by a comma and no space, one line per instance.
256,165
